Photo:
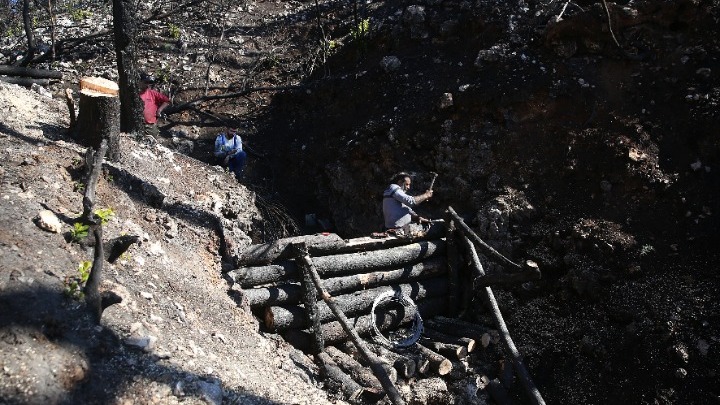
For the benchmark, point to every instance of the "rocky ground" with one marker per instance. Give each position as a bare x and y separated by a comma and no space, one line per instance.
596,161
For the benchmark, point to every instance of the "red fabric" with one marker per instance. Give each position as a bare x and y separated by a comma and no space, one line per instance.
152,100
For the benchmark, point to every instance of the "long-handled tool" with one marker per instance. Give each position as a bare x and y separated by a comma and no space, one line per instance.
432,182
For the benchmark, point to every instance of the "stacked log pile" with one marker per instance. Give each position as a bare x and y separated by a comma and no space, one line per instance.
318,291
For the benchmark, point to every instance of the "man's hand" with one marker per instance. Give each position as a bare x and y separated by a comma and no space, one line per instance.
423,220
428,194
227,159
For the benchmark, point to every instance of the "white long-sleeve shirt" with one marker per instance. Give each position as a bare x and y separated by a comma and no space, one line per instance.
396,207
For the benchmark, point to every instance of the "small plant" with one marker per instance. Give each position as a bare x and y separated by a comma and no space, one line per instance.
78,15
361,30
78,186
105,214
646,250
174,31
74,284
76,162
79,231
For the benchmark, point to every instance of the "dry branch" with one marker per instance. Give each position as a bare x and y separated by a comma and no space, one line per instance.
522,372
469,343
487,249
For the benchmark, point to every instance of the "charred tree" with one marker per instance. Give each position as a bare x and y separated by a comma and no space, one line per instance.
125,31
98,115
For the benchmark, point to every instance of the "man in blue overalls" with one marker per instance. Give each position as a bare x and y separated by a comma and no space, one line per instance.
229,148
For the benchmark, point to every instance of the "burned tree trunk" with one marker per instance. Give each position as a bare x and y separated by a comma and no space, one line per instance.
99,115
125,31
278,318
290,293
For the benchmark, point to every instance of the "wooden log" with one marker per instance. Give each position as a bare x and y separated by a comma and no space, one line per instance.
281,249
375,366
351,389
453,273
449,350
310,301
353,263
25,81
99,116
404,365
456,327
333,266
278,318
356,370
349,348
385,320
524,376
253,276
290,293
530,272
422,363
439,364
29,72
469,343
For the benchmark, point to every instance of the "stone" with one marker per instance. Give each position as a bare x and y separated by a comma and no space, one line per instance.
48,221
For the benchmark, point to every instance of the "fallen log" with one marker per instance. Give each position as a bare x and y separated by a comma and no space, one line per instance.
356,370
334,333
469,343
375,365
351,389
439,364
278,318
456,327
290,293
254,276
404,365
282,248
530,272
349,348
523,374
29,72
449,350
25,81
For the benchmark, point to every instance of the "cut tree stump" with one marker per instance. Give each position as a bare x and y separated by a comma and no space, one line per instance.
99,115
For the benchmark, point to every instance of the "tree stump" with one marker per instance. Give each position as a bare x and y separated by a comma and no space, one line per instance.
99,115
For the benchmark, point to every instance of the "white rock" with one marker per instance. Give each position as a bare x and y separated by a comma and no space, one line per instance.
47,220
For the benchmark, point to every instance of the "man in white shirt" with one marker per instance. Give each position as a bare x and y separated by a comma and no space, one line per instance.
397,203
229,148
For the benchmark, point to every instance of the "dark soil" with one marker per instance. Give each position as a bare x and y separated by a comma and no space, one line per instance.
596,161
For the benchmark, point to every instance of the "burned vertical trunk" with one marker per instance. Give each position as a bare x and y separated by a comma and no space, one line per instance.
99,115
125,31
